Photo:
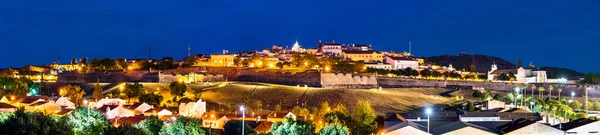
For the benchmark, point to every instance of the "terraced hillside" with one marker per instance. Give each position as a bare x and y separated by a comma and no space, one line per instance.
392,99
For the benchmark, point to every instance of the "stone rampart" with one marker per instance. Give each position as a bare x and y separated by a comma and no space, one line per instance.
310,78
348,80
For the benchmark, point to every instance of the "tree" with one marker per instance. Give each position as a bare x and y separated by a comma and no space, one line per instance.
20,87
472,67
341,108
34,123
324,108
487,95
550,89
510,97
559,90
177,89
477,94
126,129
576,104
97,94
74,93
470,106
237,61
519,64
293,127
436,73
88,121
540,91
334,129
277,107
499,97
184,126
151,98
151,125
279,65
363,119
235,128
425,73
511,76
503,77
134,90
596,106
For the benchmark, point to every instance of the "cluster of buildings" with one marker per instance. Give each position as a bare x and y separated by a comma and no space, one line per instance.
483,123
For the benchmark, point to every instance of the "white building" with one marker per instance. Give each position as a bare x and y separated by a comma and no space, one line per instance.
378,65
461,128
192,109
332,49
522,75
580,127
297,48
405,128
64,102
118,112
527,127
401,62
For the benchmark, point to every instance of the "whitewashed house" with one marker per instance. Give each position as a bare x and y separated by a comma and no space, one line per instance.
64,102
405,128
109,101
118,112
192,109
580,127
527,127
139,108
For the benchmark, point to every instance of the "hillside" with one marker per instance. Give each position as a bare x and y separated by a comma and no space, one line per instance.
391,99
553,72
463,61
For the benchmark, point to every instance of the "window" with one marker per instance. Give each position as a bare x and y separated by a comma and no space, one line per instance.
593,132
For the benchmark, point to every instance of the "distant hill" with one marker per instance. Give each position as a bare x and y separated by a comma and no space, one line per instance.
463,61
553,72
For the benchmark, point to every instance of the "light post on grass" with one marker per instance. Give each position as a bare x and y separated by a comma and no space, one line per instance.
428,112
572,95
243,117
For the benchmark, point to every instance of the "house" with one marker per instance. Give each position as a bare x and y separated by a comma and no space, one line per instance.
367,56
65,103
461,128
493,104
192,109
522,75
264,127
222,60
405,128
527,127
580,127
214,120
45,107
330,48
109,101
5,107
118,112
378,65
63,112
497,116
401,62
278,116
160,112
139,108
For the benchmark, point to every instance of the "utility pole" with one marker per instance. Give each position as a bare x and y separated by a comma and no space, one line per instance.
409,47
149,56
189,50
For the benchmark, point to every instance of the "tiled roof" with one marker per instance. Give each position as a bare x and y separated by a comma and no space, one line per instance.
512,126
457,125
574,124
5,105
264,126
64,111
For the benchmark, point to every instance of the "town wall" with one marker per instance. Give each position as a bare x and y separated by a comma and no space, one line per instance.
310,78
348,80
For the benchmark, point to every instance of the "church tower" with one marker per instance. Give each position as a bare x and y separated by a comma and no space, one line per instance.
494,67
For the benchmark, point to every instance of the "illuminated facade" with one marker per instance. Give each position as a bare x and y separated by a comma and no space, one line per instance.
367,56
222,60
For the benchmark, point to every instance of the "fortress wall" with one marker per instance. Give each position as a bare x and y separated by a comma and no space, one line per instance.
342,80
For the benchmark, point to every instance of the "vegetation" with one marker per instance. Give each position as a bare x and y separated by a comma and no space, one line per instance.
293,127
184,126
235,128
363,119
74,93
87,121
151,125
177,89
34,123
334,129
134,90
97,94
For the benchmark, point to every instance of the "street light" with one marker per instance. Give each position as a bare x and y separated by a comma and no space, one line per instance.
572,95
243,117
517,89
428,112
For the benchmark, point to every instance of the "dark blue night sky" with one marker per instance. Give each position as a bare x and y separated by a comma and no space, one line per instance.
562,33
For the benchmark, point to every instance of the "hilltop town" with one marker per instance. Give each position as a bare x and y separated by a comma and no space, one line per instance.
356,87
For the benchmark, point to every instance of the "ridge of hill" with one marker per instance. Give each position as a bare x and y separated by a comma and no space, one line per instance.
464,60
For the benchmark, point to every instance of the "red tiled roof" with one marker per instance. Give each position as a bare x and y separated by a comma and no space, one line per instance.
64,111
5,105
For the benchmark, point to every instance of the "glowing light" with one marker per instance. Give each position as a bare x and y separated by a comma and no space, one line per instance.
130,67
327,68
428,111
122,87
271,65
